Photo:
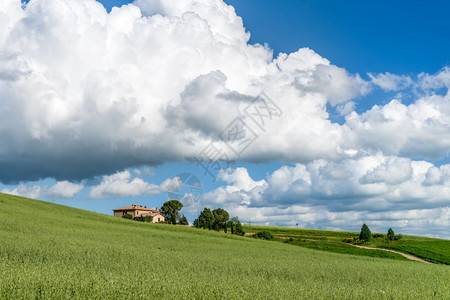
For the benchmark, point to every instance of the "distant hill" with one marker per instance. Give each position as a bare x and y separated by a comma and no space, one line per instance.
50,251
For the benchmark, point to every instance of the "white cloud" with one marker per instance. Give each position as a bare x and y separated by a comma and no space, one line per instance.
391,82
430,82
60,190
24,191
104,92
419,129
340,194
121,185
63,189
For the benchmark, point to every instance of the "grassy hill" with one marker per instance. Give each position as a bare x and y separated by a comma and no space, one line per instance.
430,249
52,251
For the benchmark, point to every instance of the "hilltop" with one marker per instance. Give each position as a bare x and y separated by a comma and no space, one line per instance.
54,251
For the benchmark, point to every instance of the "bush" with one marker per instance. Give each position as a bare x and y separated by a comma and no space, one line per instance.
148,219
127,216
398,237
265,235
377,235
348,240
290,240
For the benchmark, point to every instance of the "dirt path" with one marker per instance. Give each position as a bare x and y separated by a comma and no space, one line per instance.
408,256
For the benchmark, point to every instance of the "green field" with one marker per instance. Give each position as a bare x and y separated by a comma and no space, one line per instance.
437,251
49,251
430,249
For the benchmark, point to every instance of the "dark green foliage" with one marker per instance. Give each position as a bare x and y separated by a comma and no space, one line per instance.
127,216
365,233
205,219
221,217
236,226
377,235
218,220
398,237
171,210
390,235
231,225
183,220
266,235
147,219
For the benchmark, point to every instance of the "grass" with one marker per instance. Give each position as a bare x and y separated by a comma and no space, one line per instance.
436,251
50,251
430,249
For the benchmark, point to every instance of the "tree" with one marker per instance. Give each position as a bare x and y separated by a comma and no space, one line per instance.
236,226
171,211
365,233
205,219
221,217
238,229
183,220
390,235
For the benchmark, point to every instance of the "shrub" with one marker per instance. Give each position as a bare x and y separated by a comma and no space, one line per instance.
377,235
127,216
144,219
398,237
348,240
265,235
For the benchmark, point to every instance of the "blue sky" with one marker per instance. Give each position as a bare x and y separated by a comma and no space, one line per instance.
104,110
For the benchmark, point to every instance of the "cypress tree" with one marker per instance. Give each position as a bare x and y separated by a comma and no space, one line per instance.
365,233
390,235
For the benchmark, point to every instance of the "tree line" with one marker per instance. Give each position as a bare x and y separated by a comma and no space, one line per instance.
218,219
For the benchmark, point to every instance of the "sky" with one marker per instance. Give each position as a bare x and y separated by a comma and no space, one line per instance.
318,114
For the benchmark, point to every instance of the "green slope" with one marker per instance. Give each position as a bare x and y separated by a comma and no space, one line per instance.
430,249
51,251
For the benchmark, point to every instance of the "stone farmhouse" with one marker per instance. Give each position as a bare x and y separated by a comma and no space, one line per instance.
138,211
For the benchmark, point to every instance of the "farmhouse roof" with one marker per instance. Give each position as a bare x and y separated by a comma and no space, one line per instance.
136,207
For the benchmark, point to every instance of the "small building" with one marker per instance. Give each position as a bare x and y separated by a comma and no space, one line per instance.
138,211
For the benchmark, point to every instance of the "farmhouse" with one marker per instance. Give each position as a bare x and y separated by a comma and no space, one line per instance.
138,211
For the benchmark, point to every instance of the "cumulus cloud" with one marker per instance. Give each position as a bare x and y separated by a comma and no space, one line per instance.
420,129
325,192
122,184
150,82
60,190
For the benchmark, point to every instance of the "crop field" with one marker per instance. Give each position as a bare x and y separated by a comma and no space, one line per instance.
430,249
49,251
